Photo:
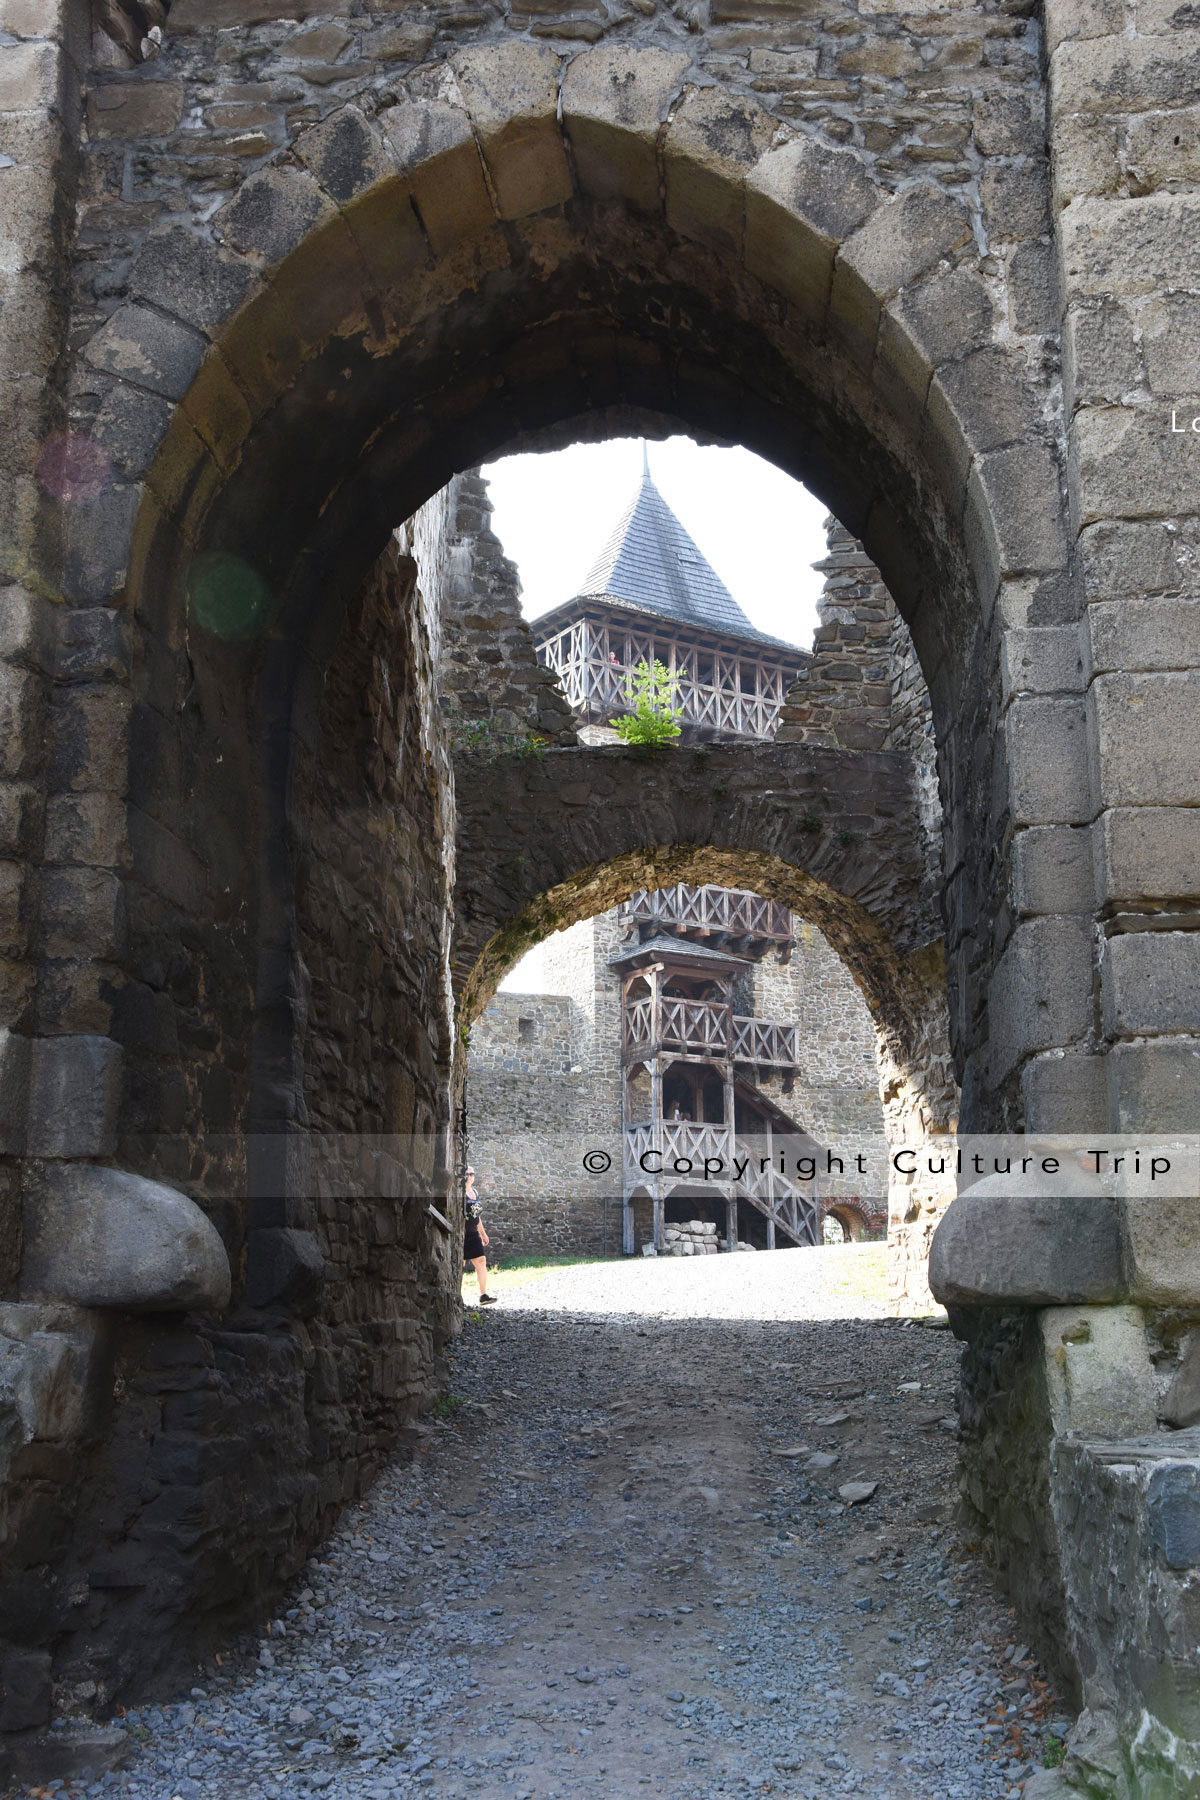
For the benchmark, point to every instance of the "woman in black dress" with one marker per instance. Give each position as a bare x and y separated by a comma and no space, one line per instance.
475,1239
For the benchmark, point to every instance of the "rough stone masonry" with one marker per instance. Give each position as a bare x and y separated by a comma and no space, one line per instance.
271,276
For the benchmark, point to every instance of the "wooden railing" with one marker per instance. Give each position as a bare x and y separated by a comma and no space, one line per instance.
708,1028
766,1043
730,910
785,1205
730,692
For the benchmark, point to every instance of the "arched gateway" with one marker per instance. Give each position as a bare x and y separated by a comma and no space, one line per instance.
229,807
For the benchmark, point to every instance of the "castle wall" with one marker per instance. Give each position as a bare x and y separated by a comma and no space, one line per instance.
544,1084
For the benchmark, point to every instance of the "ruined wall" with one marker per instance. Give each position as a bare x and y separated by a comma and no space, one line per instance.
491,686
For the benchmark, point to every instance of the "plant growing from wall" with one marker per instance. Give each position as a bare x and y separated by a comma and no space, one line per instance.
650,691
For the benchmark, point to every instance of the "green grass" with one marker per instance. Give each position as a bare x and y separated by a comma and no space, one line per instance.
861,1276
519,1271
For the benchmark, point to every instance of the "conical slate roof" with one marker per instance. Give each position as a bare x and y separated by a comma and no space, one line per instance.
651,565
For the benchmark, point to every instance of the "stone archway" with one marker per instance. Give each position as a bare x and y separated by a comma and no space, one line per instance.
543,841
534,248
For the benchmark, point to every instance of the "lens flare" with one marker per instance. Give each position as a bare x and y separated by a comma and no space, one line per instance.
226,596
72,468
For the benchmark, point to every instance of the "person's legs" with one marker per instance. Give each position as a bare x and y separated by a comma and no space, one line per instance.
479,1264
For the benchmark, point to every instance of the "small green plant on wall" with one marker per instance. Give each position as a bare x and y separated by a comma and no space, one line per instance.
650,691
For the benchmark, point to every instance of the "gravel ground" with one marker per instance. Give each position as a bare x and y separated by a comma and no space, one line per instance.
616,1562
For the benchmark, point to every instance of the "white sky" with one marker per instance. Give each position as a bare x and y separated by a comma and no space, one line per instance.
760,530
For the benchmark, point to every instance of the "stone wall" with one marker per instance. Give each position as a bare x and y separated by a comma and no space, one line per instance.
492,688
544,1083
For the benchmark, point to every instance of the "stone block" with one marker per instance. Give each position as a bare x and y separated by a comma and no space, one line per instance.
272,212
1032,289
1007,124
712,143
1014,516
1163,151
88,739
1120,559
1144,634
939,319
1147,738
1130,247
1149,853
82,914
1156,1086
1016,201
1044,660
134,109
976,404
284,1268
87,828
27,628
1129,463
101,1237
22,710
802,201
903,238
511,94
614,102
147,350
30,75
1049,774
994,1249
1099,1376
74,1096
1173,1515
1040,997
98,539
130,426
189,277
24,1689
435,150
345,154
1181,1402
14,1091
1150,981
1120,74
1065,1091
1161,1246
1052,871
1100,355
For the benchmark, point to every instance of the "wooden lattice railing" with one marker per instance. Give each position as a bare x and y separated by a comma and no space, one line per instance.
731,910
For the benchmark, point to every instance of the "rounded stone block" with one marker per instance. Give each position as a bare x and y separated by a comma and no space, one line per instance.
614,102
996,1249
101,1237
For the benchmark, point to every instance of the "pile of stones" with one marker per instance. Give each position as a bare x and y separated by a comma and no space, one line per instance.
695,1237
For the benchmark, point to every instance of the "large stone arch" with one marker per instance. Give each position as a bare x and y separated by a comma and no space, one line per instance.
543,841
550,244
533,246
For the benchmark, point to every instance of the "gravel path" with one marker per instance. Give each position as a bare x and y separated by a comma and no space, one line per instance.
612,1566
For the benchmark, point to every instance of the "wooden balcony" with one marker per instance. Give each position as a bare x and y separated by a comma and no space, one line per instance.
721,690
708,1031
707,912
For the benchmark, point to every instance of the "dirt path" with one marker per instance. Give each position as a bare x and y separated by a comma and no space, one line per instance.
610,1568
